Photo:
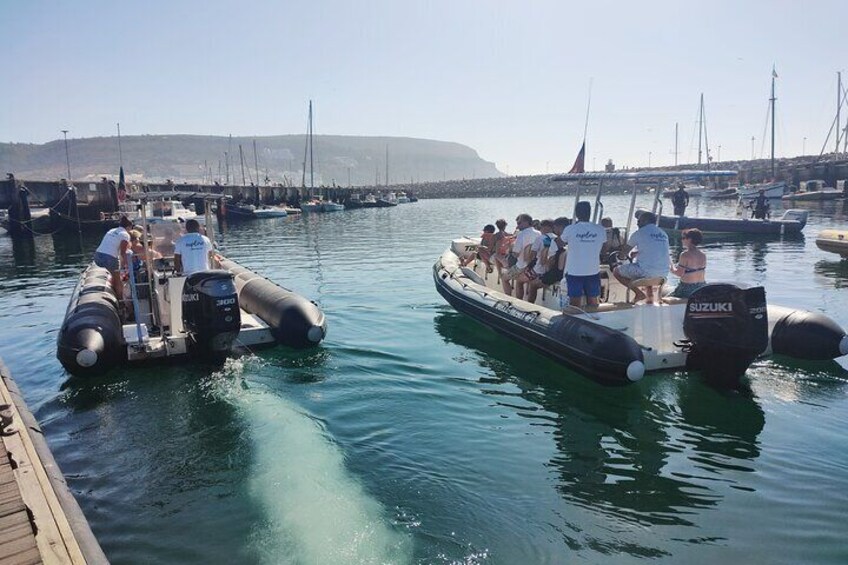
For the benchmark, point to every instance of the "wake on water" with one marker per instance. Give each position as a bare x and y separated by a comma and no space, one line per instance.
317,512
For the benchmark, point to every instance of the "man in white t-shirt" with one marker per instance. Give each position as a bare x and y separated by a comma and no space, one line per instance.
582,261
543,250
193,251
521,249
111,253
653,257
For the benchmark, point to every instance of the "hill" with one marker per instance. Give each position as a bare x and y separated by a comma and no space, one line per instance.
194,158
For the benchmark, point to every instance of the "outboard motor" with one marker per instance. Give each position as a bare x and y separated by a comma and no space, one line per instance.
727,328
211,314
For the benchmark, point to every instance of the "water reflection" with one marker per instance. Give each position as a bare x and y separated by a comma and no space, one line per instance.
180,451
833,272
648,453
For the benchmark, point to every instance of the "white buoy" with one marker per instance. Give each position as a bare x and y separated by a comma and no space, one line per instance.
315,334
843,345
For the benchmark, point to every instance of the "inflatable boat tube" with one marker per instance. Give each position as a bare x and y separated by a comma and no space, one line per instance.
806,335
294,320
90,340
604,354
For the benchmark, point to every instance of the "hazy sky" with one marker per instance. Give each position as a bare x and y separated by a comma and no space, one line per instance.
510,79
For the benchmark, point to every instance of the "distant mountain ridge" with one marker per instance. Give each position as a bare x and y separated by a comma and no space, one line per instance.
197,158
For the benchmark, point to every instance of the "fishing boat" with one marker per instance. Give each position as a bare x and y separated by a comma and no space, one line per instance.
813,191
720,330
387,200
171,318
834,241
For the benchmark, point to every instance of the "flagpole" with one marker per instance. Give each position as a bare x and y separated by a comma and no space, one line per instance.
120,151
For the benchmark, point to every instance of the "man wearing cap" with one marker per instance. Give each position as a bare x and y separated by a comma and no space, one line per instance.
653,258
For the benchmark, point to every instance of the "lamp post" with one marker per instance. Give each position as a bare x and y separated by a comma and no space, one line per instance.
67,157
719,153
752,147
804,147
649,159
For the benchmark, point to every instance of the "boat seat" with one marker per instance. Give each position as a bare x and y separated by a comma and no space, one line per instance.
655,283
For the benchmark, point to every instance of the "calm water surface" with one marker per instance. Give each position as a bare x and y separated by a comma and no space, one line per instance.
415,435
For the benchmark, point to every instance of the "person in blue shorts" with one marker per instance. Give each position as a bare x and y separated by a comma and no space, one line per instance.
582,261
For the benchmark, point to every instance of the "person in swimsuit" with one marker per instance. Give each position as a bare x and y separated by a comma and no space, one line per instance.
691,265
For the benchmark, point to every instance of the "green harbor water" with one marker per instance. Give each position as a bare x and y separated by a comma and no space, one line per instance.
415,435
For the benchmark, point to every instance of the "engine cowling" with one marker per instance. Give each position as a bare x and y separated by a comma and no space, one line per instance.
727,328
211,314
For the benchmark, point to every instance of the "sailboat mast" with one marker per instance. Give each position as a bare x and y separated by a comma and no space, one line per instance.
706,138
311,151
241,160
676,127
700,127
387,164
227,157
306,146
838,108
256,162
773,103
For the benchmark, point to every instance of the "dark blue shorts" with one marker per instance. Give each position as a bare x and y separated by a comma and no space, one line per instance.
589,285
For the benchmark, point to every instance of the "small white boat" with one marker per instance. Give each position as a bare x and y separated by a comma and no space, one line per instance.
328,206
720,193
402,198
270,212
812,191
311,206
771,190
834,241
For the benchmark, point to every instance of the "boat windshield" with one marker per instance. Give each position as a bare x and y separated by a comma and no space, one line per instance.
165,236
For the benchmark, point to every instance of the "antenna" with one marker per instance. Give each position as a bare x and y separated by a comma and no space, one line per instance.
120,152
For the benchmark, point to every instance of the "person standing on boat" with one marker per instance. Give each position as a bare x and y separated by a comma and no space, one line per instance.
582,260
520,250
193,251
652,255
760,206
680,200
690,265
111,253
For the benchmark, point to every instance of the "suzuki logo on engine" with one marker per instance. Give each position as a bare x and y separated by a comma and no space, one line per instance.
193,297
711,307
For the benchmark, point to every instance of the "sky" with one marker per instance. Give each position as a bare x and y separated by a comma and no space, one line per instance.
512,80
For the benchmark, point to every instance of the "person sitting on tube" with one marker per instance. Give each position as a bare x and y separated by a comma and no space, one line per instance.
652,257
193,251
543,256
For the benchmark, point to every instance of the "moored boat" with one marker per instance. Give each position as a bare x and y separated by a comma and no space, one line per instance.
270,212
329,206
834,241
813,191
792,222
770,190
720,193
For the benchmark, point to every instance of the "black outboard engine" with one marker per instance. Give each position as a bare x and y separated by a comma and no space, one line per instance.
727,328
211,312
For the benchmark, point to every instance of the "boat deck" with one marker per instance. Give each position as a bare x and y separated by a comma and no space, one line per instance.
40,522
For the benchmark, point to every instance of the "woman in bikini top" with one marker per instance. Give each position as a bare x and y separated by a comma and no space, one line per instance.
692,263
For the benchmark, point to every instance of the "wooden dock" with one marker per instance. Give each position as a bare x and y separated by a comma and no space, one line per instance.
40,521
